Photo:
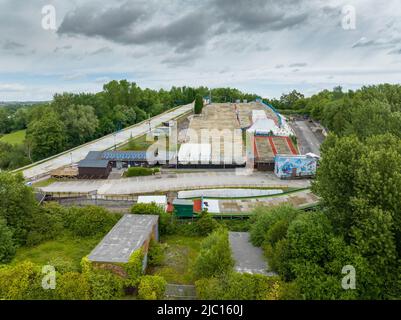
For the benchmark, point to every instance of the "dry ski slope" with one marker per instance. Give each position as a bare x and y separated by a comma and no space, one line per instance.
107,142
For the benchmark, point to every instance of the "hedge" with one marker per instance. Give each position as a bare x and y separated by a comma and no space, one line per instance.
152,288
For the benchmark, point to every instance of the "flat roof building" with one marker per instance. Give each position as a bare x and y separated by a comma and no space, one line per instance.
131,233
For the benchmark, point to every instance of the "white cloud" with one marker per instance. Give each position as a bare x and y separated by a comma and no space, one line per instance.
160,47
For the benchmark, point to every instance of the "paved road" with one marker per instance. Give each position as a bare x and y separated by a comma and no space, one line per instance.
102,144
173,182
248,259
307,140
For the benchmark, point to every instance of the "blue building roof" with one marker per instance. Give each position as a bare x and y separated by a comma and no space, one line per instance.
124,155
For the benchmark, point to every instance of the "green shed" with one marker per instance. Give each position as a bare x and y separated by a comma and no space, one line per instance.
183,208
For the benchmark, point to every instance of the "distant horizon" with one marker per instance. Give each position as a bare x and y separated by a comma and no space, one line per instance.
345,89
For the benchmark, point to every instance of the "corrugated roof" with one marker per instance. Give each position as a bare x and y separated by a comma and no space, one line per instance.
127,236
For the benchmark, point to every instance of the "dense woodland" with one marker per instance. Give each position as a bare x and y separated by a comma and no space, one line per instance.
70,120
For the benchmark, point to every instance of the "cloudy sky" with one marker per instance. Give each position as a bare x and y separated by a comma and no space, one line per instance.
262,46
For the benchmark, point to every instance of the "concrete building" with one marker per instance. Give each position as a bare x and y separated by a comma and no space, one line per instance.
131,233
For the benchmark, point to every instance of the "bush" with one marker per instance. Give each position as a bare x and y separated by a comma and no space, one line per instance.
90,221
47,224
23,281
104,285
140,172
166,226
134,268
72,286
155,254
205,224
214,258
266,218
7,246
151,288
63,264
237,286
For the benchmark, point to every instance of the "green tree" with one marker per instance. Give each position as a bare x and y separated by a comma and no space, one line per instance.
17,206
198,104
47,136
7,246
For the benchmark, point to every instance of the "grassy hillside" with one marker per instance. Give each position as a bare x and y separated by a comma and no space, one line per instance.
14,138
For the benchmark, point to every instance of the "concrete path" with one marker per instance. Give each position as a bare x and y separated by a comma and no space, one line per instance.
307,140
248,259
107,142
174,182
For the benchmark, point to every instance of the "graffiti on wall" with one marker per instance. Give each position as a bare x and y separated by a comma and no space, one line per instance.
287,167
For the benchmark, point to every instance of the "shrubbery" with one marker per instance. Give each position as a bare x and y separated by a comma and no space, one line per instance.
165,220
105,285
151,288
90,221
72,286
133,268
140,171
155,254
237,286
47,225
264,220
303,249
7,246
205,224
214,258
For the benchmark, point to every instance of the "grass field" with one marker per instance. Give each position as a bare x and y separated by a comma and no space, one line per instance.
67,249
138,144
44,183
179,258
14,138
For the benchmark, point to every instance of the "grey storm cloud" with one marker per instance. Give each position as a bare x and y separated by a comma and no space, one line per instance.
184,33
258,15
109,22
123,24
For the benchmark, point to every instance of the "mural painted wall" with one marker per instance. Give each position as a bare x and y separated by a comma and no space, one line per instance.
288,167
